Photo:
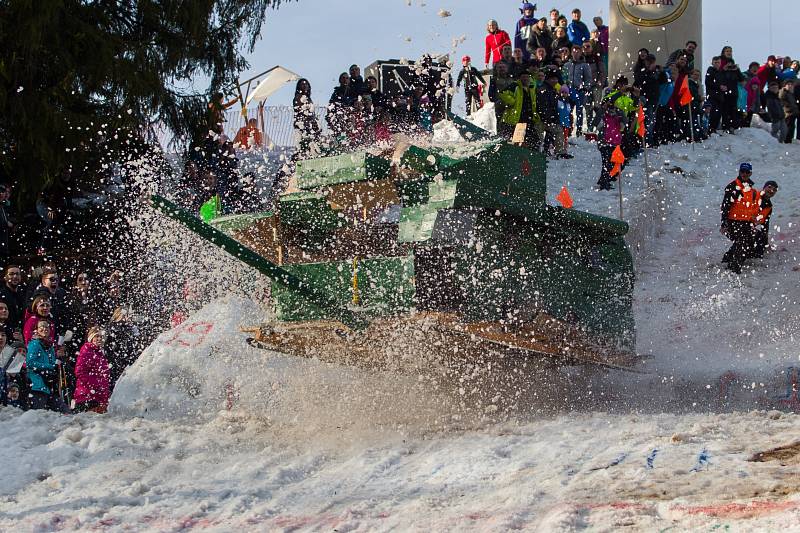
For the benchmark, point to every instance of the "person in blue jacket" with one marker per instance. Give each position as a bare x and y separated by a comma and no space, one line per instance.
577,31
524,29
43,371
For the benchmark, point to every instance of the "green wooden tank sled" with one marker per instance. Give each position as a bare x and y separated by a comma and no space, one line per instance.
450,250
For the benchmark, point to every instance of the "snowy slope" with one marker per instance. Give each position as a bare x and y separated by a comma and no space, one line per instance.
207,433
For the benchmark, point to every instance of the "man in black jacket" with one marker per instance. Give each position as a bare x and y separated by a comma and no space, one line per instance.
731,75
13,294
715,93
49,286
688,51
648,80
762,220
547,107
472,81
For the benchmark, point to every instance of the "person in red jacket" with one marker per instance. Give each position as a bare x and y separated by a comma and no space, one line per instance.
92,388
767,72
495,41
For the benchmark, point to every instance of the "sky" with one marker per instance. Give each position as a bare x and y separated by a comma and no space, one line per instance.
319,39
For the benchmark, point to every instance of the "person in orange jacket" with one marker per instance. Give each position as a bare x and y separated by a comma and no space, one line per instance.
740,208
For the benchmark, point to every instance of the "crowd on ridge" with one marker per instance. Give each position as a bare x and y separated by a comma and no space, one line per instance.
61,348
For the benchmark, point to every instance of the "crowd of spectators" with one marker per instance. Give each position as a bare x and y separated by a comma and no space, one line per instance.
553,75
62,348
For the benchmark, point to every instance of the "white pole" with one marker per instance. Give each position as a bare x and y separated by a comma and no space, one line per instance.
619,182
691,124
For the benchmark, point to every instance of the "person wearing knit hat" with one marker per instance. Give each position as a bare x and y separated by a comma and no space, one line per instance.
524,29
92,374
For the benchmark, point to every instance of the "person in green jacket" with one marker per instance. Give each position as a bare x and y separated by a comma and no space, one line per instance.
520,102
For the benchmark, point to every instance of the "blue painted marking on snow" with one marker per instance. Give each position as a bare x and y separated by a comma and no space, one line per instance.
703,461
621,457
617,460
651,458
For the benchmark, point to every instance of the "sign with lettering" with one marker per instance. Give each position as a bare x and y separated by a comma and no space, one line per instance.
662,27
652,12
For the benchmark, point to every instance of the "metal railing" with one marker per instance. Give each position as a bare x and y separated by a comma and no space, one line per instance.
275,122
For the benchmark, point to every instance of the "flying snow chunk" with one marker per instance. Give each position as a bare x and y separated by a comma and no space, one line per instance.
444,13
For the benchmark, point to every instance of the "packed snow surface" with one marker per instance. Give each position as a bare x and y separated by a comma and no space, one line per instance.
208,433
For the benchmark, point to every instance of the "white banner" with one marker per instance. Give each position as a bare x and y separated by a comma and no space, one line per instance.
661,26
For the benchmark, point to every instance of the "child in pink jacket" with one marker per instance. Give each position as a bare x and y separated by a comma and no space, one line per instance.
92,389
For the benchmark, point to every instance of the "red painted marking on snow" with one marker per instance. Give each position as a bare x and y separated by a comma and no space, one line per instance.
191,335
613,505
737,510
733,510
230,396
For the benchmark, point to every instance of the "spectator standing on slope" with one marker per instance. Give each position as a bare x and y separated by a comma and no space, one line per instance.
739,209
548,109
602,39
520,108
524,28
578,75
43,370
92,389
777,117
688,51
306,125
472,83
753,88
49,286
560,40
577,31
555,15
790,109
540,37
768,71
496,39
13,293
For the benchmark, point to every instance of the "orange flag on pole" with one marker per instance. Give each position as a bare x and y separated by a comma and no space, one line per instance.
564,198
618,158
684,93
640,120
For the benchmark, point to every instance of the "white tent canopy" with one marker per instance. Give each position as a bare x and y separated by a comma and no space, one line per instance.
273,79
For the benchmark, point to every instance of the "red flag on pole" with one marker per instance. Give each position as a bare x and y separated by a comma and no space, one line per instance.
684,94
618,158
640,120
564,198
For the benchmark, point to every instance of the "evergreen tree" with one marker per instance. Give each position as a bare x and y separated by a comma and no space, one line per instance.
81,77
